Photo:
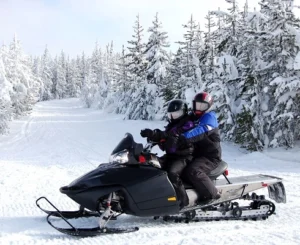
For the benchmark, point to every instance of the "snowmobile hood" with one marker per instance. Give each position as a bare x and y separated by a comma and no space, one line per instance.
108,174
91,179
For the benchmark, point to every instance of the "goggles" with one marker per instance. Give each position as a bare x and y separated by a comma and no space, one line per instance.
200,106
175,114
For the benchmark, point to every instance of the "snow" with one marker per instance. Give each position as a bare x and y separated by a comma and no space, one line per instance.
297,62
230,67
60,140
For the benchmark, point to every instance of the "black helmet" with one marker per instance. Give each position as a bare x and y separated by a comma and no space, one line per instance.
201,103
177,109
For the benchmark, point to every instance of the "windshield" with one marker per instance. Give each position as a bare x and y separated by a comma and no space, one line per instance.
125,144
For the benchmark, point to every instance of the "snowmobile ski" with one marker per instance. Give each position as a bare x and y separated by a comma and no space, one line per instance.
66,214
87,232
107,215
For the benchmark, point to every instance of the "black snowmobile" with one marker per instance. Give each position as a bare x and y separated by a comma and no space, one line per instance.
133,183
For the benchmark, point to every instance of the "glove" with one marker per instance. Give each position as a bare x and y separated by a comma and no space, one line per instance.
176,142
146,133
171,144
182,141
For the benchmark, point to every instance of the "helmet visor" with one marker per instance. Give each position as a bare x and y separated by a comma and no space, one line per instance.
175,114
201,106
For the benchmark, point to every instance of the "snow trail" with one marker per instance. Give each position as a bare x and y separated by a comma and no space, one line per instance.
60,140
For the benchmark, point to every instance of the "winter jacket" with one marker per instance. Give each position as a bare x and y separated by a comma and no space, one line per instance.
175,129
205,137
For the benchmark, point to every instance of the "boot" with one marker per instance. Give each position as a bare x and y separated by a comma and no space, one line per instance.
182,196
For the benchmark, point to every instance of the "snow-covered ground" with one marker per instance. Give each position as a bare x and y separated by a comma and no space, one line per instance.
61,140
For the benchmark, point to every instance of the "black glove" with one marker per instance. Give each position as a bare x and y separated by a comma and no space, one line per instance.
171,144
182,142
146,133
174,143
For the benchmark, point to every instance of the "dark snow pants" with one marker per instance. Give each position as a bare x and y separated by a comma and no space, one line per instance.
174,167
196,174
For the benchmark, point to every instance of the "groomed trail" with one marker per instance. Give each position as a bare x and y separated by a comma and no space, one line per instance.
60,140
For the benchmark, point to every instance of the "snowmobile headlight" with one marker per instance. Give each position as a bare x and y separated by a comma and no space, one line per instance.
119,157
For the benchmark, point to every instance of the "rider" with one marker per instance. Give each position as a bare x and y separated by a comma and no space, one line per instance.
176,158
207,149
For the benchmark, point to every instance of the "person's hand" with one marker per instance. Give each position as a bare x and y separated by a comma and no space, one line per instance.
182,141
146,133
171,144
174,142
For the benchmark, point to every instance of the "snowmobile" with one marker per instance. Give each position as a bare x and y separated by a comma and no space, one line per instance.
133,183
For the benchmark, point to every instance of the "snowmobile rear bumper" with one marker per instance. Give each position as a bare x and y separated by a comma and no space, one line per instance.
277,192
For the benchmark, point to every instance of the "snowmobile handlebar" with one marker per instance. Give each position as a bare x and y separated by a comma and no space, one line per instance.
149,145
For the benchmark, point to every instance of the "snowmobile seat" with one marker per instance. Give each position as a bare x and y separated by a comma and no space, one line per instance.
218,170
213,174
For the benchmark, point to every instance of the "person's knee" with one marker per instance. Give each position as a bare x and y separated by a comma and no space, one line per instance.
173,176
195,173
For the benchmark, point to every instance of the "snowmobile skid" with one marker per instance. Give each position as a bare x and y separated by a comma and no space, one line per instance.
133,183
81,213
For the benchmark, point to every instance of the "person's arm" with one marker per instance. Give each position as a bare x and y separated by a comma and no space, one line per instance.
207,123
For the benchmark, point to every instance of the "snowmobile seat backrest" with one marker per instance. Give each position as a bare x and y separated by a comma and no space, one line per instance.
218,170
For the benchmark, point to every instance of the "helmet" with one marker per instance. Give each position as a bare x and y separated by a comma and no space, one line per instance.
201,103
177,109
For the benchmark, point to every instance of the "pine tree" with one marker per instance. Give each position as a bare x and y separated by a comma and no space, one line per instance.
25,86
61,77
191,73
136,59
158,64
46,75
280,53
74,79
156,54
252,107
5,101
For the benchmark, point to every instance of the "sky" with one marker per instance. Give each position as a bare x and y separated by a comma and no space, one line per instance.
75,25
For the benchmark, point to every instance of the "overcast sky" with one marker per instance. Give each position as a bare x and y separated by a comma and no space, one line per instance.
75,25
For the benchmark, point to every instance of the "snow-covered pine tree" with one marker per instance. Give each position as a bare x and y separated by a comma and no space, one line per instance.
25,86
221,86
136,58
157,67
61,77
191,72
253,108
281,52
139,106
175,74
46,75
91,80
83,65
104,80
5,101
217,73
122,85
136,66
74,79
156,53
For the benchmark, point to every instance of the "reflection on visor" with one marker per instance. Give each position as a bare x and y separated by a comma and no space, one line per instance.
201,106
175,114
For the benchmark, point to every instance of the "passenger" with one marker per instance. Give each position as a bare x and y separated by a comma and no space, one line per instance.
205,138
